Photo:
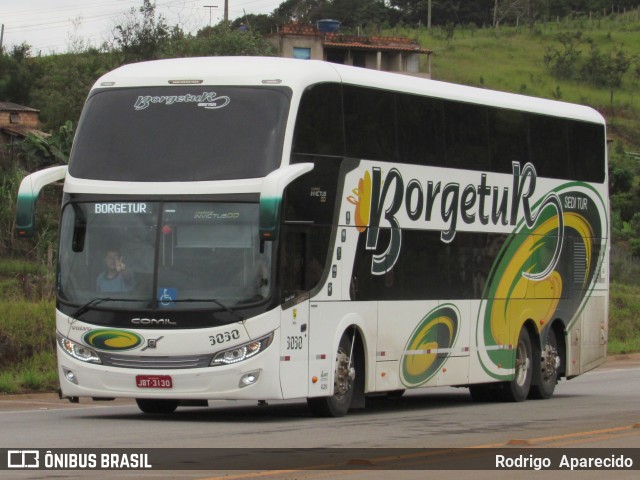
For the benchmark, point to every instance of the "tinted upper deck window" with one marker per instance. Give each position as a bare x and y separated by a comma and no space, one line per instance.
370,123
178,133
319,129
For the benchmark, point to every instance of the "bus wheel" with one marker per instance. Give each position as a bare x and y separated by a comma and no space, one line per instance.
517,389
339,403
157,406
549,364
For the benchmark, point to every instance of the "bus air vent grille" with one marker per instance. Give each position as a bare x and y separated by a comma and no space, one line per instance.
159,363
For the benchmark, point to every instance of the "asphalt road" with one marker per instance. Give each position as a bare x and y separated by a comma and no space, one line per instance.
598,410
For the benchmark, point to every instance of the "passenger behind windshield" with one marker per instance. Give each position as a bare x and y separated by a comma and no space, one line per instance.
116,277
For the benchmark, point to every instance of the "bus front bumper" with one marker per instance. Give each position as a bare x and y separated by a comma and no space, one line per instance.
256,378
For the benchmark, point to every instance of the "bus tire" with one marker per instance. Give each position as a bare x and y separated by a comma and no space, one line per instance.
548,362
517,389
338,404
148,405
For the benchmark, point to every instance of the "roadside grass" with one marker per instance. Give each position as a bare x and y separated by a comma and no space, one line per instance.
624,321
27,345
38,373
20,279
618,347
10,267
8,383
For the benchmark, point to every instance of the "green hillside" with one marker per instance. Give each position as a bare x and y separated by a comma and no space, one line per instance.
513,60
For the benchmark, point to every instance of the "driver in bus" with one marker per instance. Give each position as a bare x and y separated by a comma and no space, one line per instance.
116,277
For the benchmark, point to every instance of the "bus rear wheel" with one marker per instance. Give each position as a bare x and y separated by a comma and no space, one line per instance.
148,405
548,362
517,389
344,376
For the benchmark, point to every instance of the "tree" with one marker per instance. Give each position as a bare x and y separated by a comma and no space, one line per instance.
563,62
141,36
355,13
606,70
43,151
457,12
261,24
222,39
620,179
62,88
18,73
300,11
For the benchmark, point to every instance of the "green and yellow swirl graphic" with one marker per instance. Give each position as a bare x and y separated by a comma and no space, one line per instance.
511,298
423,355
112,340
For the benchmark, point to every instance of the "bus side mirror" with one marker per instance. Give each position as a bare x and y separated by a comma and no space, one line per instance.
28,194
271,193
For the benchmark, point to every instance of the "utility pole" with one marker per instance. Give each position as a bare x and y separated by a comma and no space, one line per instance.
429,15
226,11
210,7
1,37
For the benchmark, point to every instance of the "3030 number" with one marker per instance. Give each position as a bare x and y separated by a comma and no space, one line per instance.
224,337
294,343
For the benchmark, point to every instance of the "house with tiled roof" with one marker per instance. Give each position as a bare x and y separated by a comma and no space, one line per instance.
16,121
392,54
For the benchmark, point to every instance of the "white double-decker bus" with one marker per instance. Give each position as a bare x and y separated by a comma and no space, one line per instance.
262,228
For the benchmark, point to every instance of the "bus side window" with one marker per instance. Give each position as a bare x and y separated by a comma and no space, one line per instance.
421,130
509,139
467,136
370,124
319,129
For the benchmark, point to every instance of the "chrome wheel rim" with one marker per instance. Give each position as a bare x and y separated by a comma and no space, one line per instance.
344,374
550,362
523,363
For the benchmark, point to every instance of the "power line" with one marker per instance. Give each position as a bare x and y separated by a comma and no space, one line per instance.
27,25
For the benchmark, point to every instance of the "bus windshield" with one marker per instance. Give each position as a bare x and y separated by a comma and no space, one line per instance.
178,255
180,133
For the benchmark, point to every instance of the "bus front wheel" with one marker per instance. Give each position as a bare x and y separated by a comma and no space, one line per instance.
148,405
344,376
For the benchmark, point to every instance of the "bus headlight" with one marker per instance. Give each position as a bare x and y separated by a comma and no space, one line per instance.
78,351
242,352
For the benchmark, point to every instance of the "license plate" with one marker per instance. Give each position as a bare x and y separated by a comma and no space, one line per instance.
153,381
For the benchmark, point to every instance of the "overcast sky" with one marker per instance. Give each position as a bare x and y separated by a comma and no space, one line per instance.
54,25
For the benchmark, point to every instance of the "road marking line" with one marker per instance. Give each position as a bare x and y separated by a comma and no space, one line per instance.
70,407
594,439
419,457
566,436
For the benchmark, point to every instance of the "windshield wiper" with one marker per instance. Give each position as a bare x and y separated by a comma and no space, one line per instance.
91,303
96,301
212,300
